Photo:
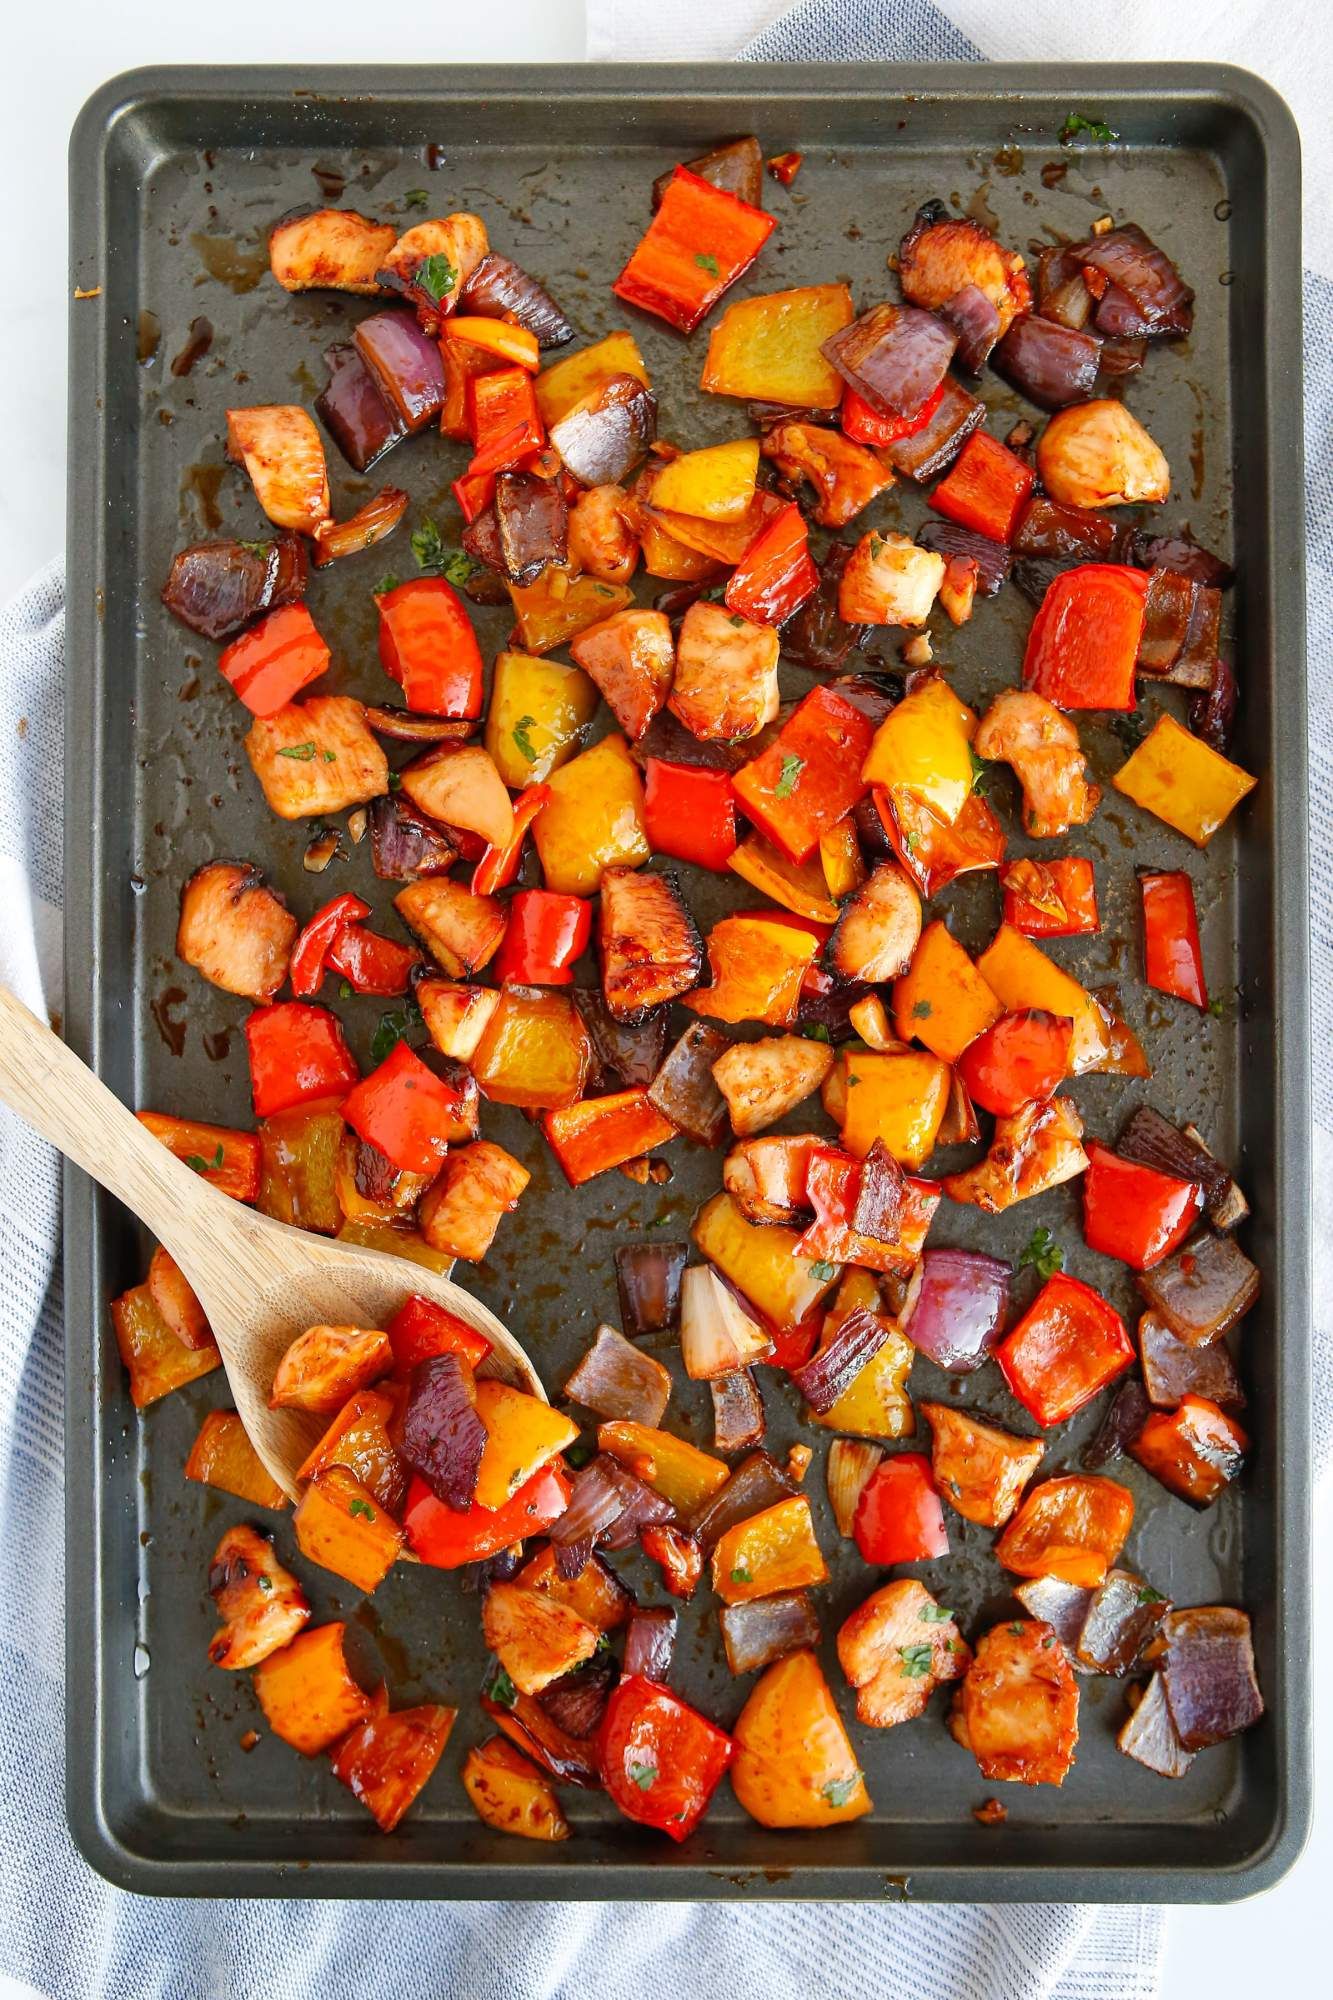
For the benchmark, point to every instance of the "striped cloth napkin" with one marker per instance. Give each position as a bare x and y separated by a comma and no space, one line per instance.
65,1932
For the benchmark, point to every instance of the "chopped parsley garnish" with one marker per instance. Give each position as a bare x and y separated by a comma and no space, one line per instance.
1130,729
502,1689
359,1510
1218,1008
815,1031
579,1453
707,263
255,548
737,620
302,752
922,1010
1147,1595
1048,1642
427,547
839,1790
1017,1629
330,756
979,771
792,767
521,738
435,276
1077,126
823,1271
644,1775
911,842
264,1582
916,1661
394,1027
346,990
1043,1253
458,567
934,1614
203,1166
416,198
741,1575
395,781
386,583
876,546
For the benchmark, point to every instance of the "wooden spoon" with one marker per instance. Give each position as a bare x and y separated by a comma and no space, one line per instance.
259,1281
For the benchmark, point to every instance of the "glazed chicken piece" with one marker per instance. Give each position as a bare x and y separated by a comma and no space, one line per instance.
460,240
895,1650
1036,1149
939,258
844,474
1098,454
726,675
334,249
1017,1710
261,1604
766,1177
235,930
601,540
283,453
1042,745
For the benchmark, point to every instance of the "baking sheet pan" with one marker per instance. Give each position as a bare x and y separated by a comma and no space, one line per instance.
175,176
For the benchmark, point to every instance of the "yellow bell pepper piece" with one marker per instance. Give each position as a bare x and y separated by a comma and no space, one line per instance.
1020,975
941,999
841,859
760,1260
772,1551
558,606
876,1403
797,886
900,1099
1183,780
567,382
522,1435
539,709
535,1052
924,746
769,348
593,819
715,484
677,1470
795,1765
405,1243
757,968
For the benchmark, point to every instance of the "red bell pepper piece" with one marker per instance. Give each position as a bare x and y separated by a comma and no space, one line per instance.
420,1329
832,1187
269,665
698,243
1084,642
1022,1058
1134,1212
1172,957
899,1518
499,865
306,970
474,493
933,853
506,423
771,914
810,775
603,1132
866,426
1068,1345
546,934
689,812
985,489
793,1345
448,1538
406,1110
777,572
296,1053
428,646
371,963
1071,882
661,1760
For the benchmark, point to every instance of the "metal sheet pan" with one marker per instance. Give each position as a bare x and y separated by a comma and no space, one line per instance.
175,175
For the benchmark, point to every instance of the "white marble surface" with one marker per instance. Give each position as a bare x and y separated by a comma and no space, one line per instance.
56,56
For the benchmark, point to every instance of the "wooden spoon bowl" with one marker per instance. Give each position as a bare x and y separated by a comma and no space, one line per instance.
259,1281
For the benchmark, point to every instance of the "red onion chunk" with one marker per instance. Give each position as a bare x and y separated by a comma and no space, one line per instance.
480,539
1172,1369
893,356
406,365
684,1090
1178,552
870,828
618,1380
1051,365
640,1507
629,1050
1050,528
1212,715
1166,620
737,168
960,1309
217,588
1118,318
993,559
1062,292
758,1482
499,289
1061,1605
577,1701
826,1001
879,1196
443,1437
975,318
499,1568
928,451
767,1629
1125,1613
1118,1428
1145,276
405,844
1123,357
667,737
595,1504
353,411
870,695
855,1341
1193,666
648,1279
1203,1290
567,1759
1153,1141
1149,1736
403,725
738,1411
601,441
816,636
533,523
1208,1672
650,1639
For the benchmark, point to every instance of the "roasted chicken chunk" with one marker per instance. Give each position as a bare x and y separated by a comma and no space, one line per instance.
235,930
1027,731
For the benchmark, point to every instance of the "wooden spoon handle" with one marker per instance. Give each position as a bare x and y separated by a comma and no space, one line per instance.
50,1089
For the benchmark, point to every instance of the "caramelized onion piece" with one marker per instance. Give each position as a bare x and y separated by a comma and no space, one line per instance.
975,318
960,1308
1124,1615
354,412
370,524
1118,1428
1167,605
993,559
405,364
404,726
767,1629
640,1506
533,523
1062,291
648,1279
577,1701
405,844
526,1723
650,1639
217,588
604,436
1049,364
758,1482
817,636
499,289
737,168
1159,301
1153,1141
629,1050
1212,714
927,452
1049,528
895,357
442,1436
1208,1671
1061,1605
618,1380
738,1411
1203,1290
1178,552
851,1461
1149,1736
1172,1369
595,1505
684,1090
833,1368
879,1197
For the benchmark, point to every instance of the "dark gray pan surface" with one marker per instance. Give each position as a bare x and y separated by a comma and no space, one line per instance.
175,176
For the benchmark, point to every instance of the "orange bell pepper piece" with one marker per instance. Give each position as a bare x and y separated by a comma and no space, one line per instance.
1072,1528
497,337
772,1551
385,1762
794,1764
760,1260
897,1099
676,1469
942,999
358,1438
535,1051
1021,976
223,1456
1183,781
340,1526
757,966
156,1359
809,777
603,1132
307,1693
933,853
1195,1450
227,1160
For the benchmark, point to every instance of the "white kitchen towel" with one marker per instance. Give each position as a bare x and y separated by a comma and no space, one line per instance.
63,1931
